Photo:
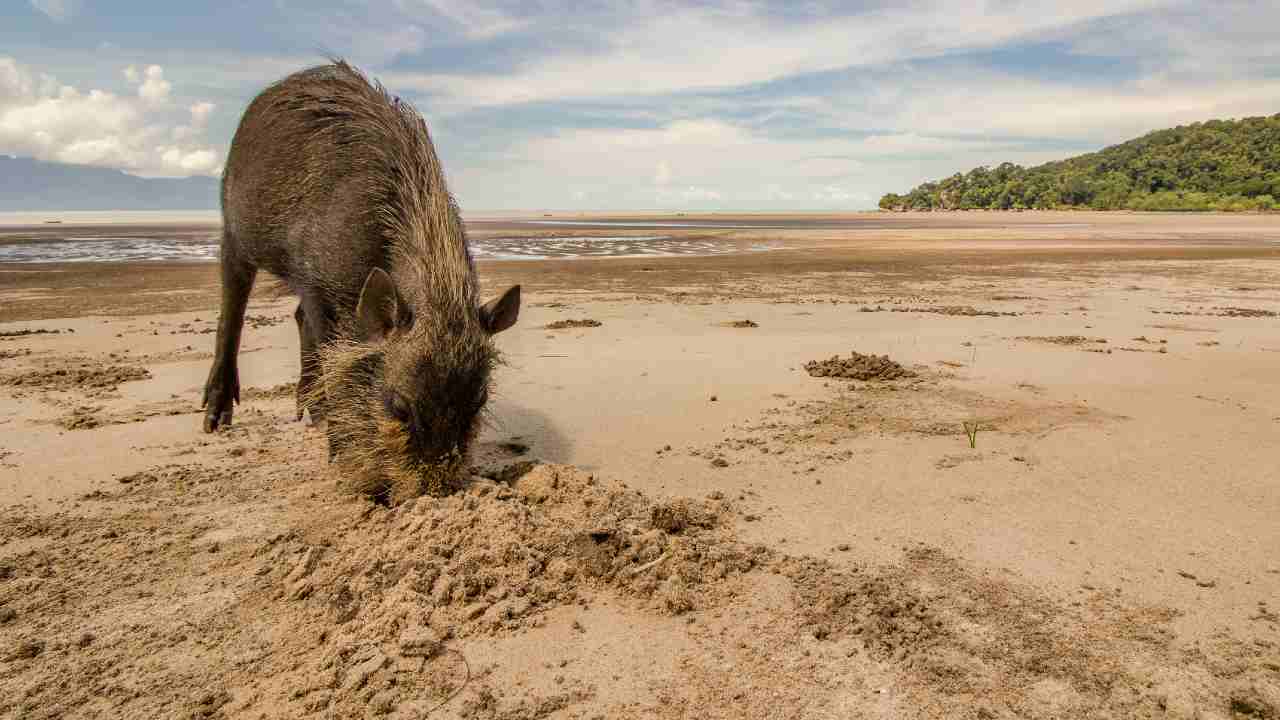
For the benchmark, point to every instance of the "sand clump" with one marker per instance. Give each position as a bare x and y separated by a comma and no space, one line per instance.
859,367
570,324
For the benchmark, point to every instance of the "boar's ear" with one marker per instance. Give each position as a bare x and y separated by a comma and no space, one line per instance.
378,307
500,313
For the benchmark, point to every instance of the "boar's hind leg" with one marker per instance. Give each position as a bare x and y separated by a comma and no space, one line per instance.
223,385
306,352
312,332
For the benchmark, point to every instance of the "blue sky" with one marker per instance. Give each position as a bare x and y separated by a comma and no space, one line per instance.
647,105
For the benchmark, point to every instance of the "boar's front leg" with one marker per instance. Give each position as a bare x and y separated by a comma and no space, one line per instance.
223,386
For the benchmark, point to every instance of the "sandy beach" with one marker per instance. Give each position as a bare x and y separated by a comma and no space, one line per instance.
670,516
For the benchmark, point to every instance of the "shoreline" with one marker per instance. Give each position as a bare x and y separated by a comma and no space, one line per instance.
201,218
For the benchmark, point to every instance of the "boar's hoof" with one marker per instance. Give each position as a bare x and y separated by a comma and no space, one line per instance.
213,420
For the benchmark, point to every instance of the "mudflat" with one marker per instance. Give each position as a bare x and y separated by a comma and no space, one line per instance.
894,466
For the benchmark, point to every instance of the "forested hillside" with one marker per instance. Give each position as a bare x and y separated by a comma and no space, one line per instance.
1214,165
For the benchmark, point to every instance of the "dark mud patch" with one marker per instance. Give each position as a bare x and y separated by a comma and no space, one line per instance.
741,324
1246,312
859,367
1233,312
276,392
951,310
89,417
569,324
82,375
1064,340
263,321
11,334
84,417
1182,328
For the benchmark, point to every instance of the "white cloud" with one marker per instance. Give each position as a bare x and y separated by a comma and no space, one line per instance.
43,119
475,20
833,195
662,173
57,10
200,113
199,119
188,162
722,165
154,88
972,101
668,50
384,45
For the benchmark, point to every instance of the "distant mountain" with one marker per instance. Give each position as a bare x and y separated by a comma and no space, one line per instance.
35,185
1214,165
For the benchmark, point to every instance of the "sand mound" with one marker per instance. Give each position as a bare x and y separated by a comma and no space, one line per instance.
493,559
567,324
859,367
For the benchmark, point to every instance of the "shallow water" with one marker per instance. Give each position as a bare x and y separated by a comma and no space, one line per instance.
158,244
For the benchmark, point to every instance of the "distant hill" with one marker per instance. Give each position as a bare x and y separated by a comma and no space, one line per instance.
1214,165
34,185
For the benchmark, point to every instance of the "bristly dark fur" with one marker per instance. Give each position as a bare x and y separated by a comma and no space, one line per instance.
329,180
392,184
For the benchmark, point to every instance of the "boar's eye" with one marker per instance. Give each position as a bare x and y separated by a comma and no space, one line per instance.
397,407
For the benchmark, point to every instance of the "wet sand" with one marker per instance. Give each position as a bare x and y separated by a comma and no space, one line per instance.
1108,549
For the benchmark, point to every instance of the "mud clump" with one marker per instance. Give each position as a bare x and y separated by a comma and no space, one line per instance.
276,392
859,367
1246,312
9,334
81,418
949,310
1067,340
743,324
85,376
569,324
261,321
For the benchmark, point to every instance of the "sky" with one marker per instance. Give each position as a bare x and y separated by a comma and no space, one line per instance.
712,105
